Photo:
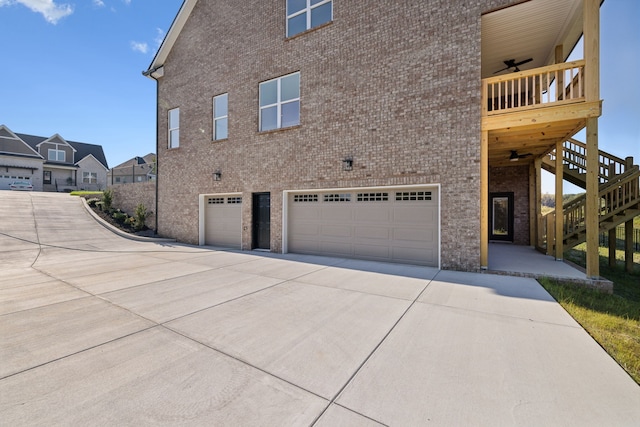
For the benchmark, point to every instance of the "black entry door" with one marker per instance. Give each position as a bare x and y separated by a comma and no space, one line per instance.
262,221
501,217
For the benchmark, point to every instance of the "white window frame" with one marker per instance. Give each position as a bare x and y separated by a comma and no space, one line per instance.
171,142
279,103
89,177
55,153
306,10
216,119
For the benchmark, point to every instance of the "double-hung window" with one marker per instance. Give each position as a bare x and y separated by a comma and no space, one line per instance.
174,128
303,15
280,102
220,117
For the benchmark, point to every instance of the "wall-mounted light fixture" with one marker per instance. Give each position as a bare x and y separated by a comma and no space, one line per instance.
217,175
347,163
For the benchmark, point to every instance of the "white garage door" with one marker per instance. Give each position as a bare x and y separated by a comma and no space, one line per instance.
7,178
223,221
399,225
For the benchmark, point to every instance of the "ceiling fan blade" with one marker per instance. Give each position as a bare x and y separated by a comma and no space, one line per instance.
522,62
496,72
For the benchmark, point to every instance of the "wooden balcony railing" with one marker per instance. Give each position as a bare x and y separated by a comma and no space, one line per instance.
551,85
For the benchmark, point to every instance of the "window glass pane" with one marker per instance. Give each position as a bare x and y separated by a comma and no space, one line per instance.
297,24
316,2
321,15
61,156
291,114
294,6
174,118
221,129
269,118
174,138
220,105
290,87
268,93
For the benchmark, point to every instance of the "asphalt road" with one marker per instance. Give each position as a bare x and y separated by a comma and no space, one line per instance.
96,329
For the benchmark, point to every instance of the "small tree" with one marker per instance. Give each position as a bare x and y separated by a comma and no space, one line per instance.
107,200
140,217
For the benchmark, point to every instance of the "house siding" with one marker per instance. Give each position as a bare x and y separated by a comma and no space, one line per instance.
394,85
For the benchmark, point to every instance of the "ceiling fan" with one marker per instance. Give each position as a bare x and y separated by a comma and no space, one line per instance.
511,63
514,157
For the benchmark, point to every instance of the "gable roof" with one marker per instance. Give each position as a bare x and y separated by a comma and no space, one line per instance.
8,135
170,39
82,149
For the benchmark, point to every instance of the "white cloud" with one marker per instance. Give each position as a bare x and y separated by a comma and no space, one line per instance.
140,47
127,2
51,11
159,37
98,3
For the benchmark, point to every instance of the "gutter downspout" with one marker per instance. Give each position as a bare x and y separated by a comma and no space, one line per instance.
150,74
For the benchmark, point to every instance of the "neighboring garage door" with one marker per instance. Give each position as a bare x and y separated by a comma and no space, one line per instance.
398,225
223,221
7,178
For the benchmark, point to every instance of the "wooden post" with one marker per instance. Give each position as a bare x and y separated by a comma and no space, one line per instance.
484,200
591,29
538,202
628,246
551,232
560,83
612,247
559,222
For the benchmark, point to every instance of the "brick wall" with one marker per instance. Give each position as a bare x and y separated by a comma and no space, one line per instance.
126,197
514,179
393,84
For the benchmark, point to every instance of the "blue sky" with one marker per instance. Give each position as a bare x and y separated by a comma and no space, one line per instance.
74,67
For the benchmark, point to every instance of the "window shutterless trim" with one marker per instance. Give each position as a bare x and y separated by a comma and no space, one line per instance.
307,9
278,104
171,129
216,119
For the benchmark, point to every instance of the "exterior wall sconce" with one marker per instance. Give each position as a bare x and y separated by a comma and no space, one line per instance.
217,175
347,164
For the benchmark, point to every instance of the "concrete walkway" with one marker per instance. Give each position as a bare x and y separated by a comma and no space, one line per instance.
96,329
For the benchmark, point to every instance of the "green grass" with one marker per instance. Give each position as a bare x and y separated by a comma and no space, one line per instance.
87,193
612,320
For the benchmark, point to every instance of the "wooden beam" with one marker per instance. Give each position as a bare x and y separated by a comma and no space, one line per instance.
628,246
533,208
559,222
592,200
484,200
591,40
541,116
591,44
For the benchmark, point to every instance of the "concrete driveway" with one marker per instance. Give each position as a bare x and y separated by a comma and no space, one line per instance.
96,329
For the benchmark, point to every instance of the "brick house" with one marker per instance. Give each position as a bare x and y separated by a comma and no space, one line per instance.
411,132
137,169
51,163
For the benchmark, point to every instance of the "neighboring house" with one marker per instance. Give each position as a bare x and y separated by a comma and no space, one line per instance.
51,164
412,132
137,169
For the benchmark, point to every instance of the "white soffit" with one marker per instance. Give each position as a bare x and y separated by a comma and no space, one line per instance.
531,29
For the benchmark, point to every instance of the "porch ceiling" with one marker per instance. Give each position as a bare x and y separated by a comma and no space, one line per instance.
531,29
537,140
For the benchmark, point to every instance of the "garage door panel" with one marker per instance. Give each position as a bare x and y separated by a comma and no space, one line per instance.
372,232
336,231
400,226
372,212
223,222
336,212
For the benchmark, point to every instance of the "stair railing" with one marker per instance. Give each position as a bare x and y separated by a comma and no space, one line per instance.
574,155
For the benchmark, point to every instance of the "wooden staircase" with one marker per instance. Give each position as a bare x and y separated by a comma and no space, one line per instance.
619,193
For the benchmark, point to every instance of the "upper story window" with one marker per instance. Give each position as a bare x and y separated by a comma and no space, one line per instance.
280,102
303,15
220,117
56,155
174,128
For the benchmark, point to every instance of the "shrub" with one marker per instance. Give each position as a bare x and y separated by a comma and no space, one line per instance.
120,216
93,202
140,216
107,199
